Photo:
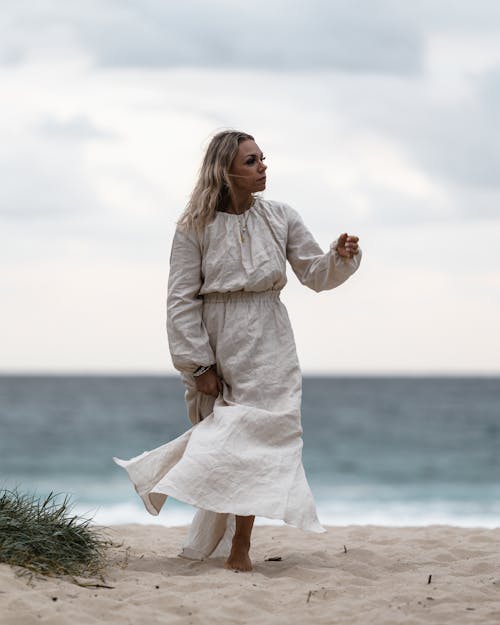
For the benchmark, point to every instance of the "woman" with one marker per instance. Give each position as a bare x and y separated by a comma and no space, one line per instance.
231,339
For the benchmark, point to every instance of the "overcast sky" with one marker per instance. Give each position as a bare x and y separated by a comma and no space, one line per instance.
377,117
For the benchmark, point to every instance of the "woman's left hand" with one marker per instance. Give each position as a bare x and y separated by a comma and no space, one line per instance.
347,245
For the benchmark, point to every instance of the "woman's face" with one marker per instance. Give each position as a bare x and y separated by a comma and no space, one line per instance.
247,171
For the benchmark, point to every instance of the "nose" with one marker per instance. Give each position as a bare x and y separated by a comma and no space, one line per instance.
262,166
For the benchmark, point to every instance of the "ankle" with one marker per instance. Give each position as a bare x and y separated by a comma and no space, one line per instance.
241,540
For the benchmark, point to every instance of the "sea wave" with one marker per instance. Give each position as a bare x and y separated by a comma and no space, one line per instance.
390,514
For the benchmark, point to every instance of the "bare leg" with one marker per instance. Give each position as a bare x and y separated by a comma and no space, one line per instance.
239,559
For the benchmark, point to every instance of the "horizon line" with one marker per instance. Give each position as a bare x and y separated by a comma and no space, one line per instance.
312,374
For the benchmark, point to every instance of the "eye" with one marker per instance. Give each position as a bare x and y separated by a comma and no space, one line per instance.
251,160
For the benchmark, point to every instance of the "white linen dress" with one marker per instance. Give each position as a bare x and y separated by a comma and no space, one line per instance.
243,454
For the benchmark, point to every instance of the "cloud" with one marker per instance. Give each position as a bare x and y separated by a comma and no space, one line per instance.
78,128
42,181
428,142
271,36
366,36
447,125
458,138
456,15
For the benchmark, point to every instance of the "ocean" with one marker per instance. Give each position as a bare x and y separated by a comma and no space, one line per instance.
389,451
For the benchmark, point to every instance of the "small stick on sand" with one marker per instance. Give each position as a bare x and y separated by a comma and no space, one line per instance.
345,549
92,585
429,579
309,596
273,559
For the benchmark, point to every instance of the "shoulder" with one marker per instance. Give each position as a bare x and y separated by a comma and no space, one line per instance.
187,236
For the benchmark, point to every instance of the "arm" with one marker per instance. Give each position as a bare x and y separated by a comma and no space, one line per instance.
314,268
187,335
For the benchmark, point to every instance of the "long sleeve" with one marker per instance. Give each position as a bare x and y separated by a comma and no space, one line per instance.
187,336
314,268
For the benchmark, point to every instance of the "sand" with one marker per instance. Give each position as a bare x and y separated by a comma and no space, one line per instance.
381,577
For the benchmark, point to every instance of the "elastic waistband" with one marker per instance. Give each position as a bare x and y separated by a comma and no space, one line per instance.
231,296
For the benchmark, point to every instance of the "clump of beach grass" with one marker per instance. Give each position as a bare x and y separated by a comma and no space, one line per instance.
42,536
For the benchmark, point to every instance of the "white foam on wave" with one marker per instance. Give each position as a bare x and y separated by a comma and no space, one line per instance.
391,514
410,514
124,513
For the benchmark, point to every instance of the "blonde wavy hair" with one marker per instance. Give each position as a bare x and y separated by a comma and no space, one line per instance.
213,190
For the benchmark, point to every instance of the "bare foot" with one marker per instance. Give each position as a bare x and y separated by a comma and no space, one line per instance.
239,560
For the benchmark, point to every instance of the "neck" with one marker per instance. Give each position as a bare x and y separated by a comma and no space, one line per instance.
241,203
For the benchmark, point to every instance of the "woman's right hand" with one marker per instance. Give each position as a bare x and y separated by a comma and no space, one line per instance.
347,246
209,383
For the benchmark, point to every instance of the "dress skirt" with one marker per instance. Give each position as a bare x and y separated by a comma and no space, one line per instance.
243,454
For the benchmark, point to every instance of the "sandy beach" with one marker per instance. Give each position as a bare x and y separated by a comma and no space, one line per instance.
351,575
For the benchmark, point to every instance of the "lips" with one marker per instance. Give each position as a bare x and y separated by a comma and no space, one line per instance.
261,179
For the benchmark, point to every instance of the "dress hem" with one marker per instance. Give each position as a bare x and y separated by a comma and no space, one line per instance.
315,528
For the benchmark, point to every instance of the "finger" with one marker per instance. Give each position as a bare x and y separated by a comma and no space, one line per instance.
214,389
203,387
342,239
353,238
349,253
210,389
